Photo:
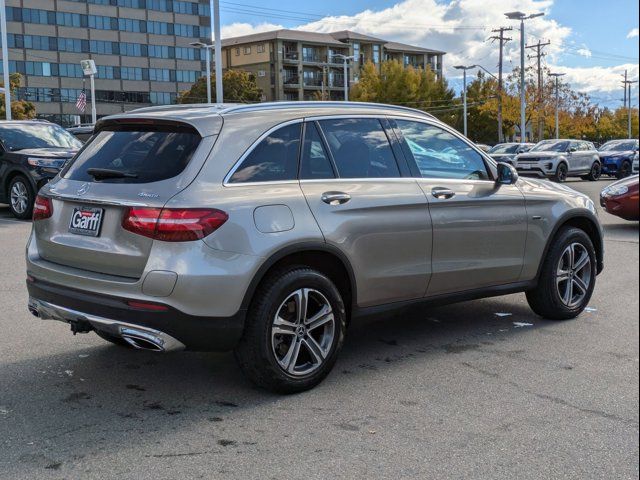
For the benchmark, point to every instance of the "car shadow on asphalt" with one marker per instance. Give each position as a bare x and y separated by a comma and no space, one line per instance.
102,396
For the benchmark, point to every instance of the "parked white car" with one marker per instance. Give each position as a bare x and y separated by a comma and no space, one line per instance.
560,159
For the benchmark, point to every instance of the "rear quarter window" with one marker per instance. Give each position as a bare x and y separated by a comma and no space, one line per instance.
144,154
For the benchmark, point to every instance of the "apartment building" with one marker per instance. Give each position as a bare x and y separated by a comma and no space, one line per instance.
141,48
298,65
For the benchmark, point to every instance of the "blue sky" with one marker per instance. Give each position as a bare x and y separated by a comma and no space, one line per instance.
593,42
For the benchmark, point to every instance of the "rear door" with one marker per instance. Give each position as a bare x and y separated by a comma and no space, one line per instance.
367,207
479,227
141,165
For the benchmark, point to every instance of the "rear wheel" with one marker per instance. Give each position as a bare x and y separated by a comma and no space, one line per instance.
295,329
625,170
567,277
561,173
21,197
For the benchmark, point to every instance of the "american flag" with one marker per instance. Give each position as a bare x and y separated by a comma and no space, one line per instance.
81,103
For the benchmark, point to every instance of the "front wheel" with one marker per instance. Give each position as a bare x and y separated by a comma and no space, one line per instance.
561,173
21,197
567,277
294,331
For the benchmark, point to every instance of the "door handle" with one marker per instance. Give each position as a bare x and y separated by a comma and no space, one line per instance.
442,192
335,198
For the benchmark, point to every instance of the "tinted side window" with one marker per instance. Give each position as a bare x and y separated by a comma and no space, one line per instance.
360,148
315,163
439,154
274,158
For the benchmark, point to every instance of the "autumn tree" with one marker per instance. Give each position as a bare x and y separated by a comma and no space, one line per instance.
238,86
20,109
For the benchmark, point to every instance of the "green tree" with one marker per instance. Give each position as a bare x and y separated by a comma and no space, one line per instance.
238,86
20,109
399,85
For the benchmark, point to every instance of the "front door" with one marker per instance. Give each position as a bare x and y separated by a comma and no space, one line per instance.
364,206
479,226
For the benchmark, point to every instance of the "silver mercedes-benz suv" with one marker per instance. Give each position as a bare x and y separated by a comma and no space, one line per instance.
266,228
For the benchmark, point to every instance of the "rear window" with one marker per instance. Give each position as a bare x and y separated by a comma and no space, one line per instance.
135,154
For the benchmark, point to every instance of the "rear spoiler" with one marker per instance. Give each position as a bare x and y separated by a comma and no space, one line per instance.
203,126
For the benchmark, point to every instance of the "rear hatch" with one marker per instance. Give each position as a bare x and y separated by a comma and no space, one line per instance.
141,164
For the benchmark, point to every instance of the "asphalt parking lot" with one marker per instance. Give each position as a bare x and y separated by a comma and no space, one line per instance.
481,389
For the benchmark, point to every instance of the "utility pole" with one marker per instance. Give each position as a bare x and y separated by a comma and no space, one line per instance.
557,76
538,56
502,40
624,86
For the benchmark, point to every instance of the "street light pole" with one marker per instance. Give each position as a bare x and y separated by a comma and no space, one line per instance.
207,49
557,77
523,117
208,63
464,93
5,61
218,50
345,73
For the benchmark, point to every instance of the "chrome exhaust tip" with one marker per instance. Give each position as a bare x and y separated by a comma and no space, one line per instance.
142,340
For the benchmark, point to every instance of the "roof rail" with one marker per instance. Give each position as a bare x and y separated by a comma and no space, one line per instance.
253,107
184,106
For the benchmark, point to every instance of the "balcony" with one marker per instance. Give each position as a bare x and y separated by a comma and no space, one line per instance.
290,56
291,81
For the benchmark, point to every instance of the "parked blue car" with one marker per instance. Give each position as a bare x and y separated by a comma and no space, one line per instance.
617,157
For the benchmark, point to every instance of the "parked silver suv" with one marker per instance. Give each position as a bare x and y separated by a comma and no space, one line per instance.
560,159
266,228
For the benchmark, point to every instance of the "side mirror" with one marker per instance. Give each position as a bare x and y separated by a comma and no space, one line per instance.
572,149
507,174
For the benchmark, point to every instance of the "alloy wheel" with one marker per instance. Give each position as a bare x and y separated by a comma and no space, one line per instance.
562,173
573,275
19,197
596,171
303,332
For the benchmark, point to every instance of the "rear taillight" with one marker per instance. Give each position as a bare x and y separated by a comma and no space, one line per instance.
42,208
173,224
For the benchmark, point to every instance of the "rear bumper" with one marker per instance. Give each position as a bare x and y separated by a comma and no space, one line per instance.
173,329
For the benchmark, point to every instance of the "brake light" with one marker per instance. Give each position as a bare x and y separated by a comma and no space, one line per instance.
42,208
173,224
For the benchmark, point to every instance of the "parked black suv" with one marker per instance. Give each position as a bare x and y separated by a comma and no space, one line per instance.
32,152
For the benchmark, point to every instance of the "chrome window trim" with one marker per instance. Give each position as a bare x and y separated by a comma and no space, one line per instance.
252,147
362,180
487,158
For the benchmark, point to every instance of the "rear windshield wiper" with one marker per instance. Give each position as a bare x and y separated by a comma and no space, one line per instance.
103,173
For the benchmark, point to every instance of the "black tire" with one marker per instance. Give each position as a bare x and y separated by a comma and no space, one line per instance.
256,352
112,339
544,299
561,173
625,170
21,188
595,173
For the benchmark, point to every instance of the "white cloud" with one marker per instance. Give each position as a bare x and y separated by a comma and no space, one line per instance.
238,29
461,28
633,33
585,52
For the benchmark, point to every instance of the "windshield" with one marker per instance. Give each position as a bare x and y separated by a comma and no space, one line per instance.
505,148
554,146
619,146
19,136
